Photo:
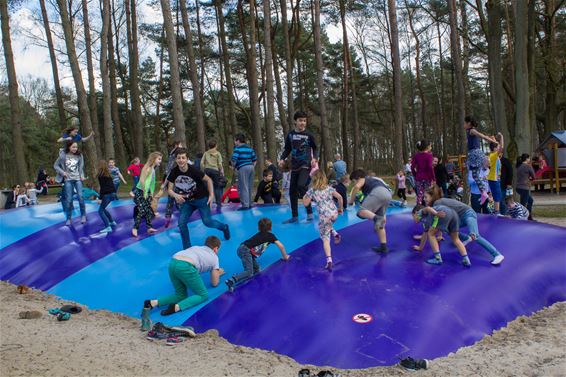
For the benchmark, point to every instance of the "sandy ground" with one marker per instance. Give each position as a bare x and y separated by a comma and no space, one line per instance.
101,343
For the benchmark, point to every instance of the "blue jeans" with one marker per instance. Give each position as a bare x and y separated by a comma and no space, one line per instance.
103,212
136,180
116,187
249,262
187,209
69,187
470,219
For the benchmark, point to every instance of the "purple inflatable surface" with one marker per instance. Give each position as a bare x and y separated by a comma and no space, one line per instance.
401,305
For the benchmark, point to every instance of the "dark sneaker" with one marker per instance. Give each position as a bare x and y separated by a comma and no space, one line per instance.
230,283
380,249
414,364
291,220
173,341
170,310
226,232
156,335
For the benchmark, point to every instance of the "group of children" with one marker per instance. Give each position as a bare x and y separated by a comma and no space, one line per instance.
23,195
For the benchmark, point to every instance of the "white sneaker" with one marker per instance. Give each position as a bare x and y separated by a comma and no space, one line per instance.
497,260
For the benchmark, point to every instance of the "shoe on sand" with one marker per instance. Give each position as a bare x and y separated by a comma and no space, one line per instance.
30,314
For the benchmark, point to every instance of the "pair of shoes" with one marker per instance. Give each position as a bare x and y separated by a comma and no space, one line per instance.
383,249
497,260
113,223
83,219
175,331
291,220
174,340
226,232
337,238
414,364
167,222
68,222
108,229
170,310
230,283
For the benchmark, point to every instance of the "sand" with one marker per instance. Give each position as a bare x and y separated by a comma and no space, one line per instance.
101,343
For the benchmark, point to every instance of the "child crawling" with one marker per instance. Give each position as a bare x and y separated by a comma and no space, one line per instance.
251,249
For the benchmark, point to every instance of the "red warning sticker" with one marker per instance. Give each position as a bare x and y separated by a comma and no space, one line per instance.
362,318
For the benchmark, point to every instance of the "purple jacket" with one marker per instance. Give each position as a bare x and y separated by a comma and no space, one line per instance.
421,167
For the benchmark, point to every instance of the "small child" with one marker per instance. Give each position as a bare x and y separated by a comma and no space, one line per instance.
342,188
286,180
321,193
436,219
135,171
22,199
116,174
32,192
516,210
251,249
401,187
268,189
232,194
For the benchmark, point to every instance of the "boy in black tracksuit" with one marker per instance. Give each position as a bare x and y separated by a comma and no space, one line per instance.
268,189
302,147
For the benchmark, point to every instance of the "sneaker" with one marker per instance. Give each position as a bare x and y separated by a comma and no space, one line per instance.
156,335
466,262
108,229
170,310
310,217
337,238
226,232
68,222
173,341
381,249
414,364
497,260
167,222
435,261
83,219
230,283
291,220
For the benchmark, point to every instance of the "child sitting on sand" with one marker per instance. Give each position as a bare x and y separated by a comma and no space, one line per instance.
322,194
251,249
433,220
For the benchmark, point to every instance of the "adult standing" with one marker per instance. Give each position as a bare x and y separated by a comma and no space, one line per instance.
301,145
211,164
506,181
340,167
441,175
422,169
244,160
193,190
525,173
11,197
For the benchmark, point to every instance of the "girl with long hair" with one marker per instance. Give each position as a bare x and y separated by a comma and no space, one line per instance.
143,193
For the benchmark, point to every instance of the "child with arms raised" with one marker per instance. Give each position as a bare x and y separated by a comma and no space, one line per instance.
251,249
322,194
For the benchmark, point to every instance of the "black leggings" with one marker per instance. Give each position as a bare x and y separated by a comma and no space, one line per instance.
401,193
298,187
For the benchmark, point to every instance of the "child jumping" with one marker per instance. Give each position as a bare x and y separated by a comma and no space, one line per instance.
377,196
322,194
476,156
143,193
467,217
251,249
434,222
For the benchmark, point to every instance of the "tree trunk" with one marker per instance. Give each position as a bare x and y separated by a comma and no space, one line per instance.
269,81
135,95
457,64
398,113
465,56
176,93
280,105
227,73
92,100
326,144
251,69
54,69
442,93
418,69
15,113
106,88
200,49
120,147
84,113
495,67
157,123
197,94
288,64
522,118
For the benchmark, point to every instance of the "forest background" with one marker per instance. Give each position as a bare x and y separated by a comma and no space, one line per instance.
375,76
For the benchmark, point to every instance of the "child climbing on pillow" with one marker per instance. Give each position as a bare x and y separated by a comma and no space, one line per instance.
251,249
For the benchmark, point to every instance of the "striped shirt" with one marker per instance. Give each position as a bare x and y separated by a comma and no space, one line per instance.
243,155
518,212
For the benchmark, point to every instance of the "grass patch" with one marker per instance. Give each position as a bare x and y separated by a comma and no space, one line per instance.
549,211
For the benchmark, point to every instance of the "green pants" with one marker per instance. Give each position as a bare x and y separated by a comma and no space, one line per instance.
184,276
